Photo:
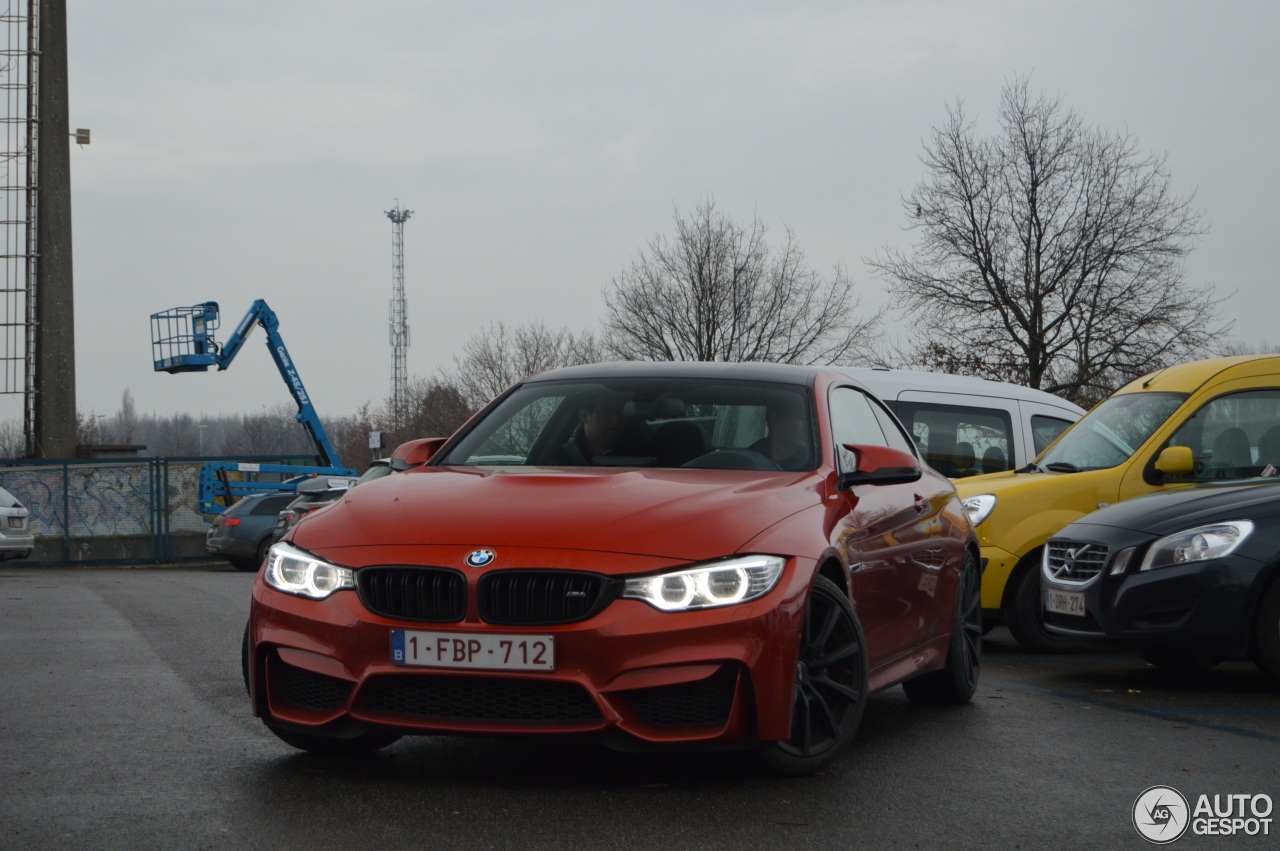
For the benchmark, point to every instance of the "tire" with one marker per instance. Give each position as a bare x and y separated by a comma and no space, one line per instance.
1024,612
362,743
830,690
244,658
957,681
1266,631
259,557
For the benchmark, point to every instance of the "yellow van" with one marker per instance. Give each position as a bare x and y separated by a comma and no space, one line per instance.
1205,421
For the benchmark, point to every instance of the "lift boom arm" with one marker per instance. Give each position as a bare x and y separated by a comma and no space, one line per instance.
183,340
260,314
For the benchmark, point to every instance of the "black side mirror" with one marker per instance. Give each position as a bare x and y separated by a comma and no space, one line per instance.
880,465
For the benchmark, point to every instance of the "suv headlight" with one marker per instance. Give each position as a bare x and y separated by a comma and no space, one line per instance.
1199,544
722,583
979,507
294,571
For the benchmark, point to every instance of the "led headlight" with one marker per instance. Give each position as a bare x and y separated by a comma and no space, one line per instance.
1199,544
293,571
979,507
722,583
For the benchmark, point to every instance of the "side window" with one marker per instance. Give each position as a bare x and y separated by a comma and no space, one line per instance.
513,439
958,440
1233,437
272,504
1045,430
895,437
853,421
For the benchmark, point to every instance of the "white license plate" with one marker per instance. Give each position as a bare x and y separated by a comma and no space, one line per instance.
487,651
1065,602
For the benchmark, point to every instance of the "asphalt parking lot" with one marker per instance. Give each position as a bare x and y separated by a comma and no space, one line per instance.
125,725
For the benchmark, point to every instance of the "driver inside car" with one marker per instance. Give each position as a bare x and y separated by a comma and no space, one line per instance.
787,443
602,432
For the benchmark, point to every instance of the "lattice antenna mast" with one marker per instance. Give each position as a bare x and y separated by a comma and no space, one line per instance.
399,315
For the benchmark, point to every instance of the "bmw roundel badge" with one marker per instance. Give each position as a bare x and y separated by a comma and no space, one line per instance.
481,558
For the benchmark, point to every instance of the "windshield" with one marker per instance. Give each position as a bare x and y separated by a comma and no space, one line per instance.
645,422
1110,433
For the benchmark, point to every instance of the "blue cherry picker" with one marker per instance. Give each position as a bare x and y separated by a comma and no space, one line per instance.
182,340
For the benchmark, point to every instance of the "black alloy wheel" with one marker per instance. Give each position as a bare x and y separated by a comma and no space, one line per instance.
830,692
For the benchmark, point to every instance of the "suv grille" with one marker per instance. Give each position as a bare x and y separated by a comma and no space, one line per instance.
537,597
434,594
1074,562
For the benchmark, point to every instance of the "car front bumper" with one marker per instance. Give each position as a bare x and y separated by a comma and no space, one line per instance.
1205,608
998,565
630,672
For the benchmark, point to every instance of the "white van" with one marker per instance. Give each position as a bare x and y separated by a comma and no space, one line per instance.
965,425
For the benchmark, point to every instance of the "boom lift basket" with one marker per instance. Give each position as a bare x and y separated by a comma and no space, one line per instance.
182,338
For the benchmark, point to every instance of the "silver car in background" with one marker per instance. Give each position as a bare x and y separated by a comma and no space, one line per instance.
16,540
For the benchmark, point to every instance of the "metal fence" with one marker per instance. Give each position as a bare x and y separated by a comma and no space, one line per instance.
141,510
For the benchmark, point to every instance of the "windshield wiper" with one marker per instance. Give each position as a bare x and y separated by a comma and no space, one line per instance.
1062,467
1032,467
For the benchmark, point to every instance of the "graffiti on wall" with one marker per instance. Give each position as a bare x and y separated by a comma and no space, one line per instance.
105,500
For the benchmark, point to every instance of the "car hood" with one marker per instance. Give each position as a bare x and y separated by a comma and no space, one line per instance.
1171,511
679,514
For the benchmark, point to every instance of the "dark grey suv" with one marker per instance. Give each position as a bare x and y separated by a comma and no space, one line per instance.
242,533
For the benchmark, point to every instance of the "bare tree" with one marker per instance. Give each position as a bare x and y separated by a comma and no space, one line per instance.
13,441
126,417
350,436
498,356
176,435
436,408
275,431
1233,349
1052,250
717,291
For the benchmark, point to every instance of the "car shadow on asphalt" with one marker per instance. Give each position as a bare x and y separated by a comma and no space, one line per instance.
890,723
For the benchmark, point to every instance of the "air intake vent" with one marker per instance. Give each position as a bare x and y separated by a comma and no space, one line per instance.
480,699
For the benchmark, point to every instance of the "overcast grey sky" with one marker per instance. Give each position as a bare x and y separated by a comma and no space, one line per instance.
246,149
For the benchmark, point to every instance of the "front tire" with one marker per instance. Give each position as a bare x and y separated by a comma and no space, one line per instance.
1267,632
958,680
1024,612
362,743
830,691
1184,661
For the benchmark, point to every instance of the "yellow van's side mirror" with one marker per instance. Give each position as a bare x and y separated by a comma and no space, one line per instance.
1176,461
